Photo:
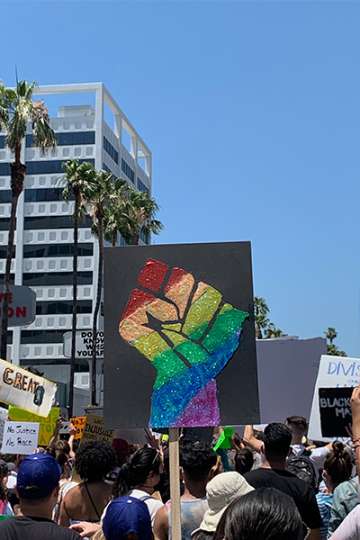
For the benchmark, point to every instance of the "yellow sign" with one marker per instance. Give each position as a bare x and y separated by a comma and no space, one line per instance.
47,424
79,423
96,431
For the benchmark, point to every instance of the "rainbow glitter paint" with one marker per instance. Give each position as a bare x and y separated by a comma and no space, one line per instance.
189,334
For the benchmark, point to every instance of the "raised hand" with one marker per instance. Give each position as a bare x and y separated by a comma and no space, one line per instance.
189,334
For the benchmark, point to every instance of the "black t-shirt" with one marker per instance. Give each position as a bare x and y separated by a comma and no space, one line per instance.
283,480
21,528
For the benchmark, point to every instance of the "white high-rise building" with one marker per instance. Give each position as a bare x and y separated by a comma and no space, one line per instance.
44,231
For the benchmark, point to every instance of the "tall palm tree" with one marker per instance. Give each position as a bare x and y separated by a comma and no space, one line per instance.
115,218
140,212
78,178
331,334
273,332
18,112
261,311
102,192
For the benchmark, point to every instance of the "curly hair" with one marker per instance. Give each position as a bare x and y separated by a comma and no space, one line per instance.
197,459
94,460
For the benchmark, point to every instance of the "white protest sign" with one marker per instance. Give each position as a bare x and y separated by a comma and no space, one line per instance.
84,344
20,437
3,418
334,371
25,390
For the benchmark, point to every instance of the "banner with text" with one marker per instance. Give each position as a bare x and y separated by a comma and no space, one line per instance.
47,425
20,438
25,390
79,423
95,429
84,344
334,372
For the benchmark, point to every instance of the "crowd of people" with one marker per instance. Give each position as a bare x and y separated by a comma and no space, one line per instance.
270,485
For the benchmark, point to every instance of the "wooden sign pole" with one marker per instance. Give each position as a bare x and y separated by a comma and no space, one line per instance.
175,483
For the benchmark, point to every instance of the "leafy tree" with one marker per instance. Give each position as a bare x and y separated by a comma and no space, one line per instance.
18,112
261,316
115,217
140,211
273,332
332,349
78,178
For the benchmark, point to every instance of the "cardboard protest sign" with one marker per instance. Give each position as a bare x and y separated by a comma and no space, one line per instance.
224,442
179,336
95,430
334,371
47,425
335,411
20,437
25,390
79,423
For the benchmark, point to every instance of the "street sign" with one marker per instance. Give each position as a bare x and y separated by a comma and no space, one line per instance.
22,305
84,344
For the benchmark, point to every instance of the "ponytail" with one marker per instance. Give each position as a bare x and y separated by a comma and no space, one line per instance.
135,472
338,463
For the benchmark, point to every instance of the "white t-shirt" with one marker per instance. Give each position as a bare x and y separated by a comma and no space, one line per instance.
153,504
317,456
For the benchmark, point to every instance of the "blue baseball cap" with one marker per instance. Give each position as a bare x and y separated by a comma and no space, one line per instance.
126,515
38,476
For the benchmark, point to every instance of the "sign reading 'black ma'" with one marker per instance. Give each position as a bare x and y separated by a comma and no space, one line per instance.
180,336
335,411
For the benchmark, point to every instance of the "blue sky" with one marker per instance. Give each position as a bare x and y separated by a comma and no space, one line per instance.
252,112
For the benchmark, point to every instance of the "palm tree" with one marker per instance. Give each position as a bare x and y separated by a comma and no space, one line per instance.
99,196
273,332
78,177
18,112
261,311
115,218
140,212
331,334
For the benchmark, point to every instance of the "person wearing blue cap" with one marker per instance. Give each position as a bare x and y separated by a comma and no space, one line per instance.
127,518
37,487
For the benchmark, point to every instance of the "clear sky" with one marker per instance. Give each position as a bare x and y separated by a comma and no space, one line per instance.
252,112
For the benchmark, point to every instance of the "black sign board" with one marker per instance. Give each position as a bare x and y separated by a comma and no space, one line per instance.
335,411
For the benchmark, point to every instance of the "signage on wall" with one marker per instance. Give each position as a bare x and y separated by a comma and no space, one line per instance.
22,305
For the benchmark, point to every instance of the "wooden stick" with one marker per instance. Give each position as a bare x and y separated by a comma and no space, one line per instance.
175,483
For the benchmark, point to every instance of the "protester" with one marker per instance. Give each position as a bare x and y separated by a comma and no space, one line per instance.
140,478
299,428
127,518
273,473
220,492
5,506
87,500
37,486
244,460
263,514
337,469
197,461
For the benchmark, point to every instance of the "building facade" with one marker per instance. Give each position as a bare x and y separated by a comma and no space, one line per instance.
44,230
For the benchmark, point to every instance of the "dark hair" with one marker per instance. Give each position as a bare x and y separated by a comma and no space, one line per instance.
263,514
277,440
4,471
197,459
338,463
244,460
60,450
137,469
298,422
202,535
94,460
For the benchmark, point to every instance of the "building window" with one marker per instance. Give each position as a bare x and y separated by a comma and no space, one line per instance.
4,169
144,237
54,222
62,308
57,250
4,224
5,196
141,186
125,167
49,167
44,194
41,336
46,279
3,250
68,138
2,142
109,149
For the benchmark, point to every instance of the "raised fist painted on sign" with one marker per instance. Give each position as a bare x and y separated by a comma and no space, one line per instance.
189,334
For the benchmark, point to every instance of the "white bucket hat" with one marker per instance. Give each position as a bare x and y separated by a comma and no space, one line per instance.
222,490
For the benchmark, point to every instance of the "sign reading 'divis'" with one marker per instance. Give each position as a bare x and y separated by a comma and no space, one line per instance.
25,389
22,305
84,344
